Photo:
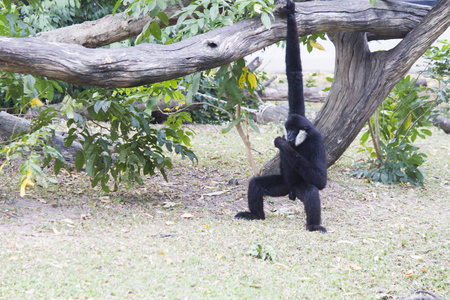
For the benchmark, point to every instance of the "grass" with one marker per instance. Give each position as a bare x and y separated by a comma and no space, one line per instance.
71,242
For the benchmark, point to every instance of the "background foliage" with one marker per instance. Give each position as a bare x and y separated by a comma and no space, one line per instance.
401,119
126,146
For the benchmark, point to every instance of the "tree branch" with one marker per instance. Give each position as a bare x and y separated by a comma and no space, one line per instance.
150,63
107,30
363,79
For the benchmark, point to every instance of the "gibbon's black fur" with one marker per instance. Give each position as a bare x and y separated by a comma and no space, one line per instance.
302,154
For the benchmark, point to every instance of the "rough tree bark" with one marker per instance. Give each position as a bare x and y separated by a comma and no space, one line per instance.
363,79
443,123
107,30
151,63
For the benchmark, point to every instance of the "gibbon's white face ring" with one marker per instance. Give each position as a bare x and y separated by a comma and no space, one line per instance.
301,136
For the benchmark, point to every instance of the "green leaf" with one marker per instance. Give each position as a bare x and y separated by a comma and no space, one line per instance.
162,4
116,6
69,140
57,166
7,4
214,12
182,17
252,124
426,131
98,105
364,137
194,29
265,19
79,160
193,87
232,124
155,30
163,17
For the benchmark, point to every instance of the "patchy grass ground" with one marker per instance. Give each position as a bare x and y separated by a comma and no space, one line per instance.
178,239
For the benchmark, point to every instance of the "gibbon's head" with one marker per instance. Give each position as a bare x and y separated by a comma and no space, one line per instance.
296,129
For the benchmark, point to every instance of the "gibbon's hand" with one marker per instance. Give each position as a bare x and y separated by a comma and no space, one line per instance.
280,142
289,9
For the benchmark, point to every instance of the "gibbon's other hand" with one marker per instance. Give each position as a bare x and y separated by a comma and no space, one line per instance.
280,142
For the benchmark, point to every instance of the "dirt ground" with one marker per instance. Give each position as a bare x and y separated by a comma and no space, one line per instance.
216,185
70,240
195,189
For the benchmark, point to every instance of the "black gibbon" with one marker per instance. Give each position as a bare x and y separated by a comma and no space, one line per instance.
302,155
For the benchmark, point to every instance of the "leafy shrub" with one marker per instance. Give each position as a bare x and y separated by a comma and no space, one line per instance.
395,126
127,147
438,59
403,117
264,252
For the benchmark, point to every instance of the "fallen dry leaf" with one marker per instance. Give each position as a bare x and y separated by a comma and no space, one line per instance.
424,270
409,273
84,216
216,193
168,204
187,216
418,257
345,242
355,267
105,199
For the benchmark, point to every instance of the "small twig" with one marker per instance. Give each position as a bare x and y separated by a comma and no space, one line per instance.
256,151
222,101
246,140
428,293
255,93
99,125
268,82
8,214
376,136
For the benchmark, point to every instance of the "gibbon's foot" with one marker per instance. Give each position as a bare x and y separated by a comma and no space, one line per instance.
316,228
292,195
247,216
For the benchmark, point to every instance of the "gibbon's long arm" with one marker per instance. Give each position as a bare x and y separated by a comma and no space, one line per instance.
294,64
311,172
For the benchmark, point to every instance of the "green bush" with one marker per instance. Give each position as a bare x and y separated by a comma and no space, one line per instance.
403,117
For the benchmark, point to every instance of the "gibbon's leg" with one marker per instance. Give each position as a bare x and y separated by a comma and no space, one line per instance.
309,195
270,185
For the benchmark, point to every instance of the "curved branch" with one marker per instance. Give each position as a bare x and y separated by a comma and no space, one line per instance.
151,63
93,34
107,30
432,26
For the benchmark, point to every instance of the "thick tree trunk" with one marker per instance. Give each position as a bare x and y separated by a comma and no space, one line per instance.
363,80
150,63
